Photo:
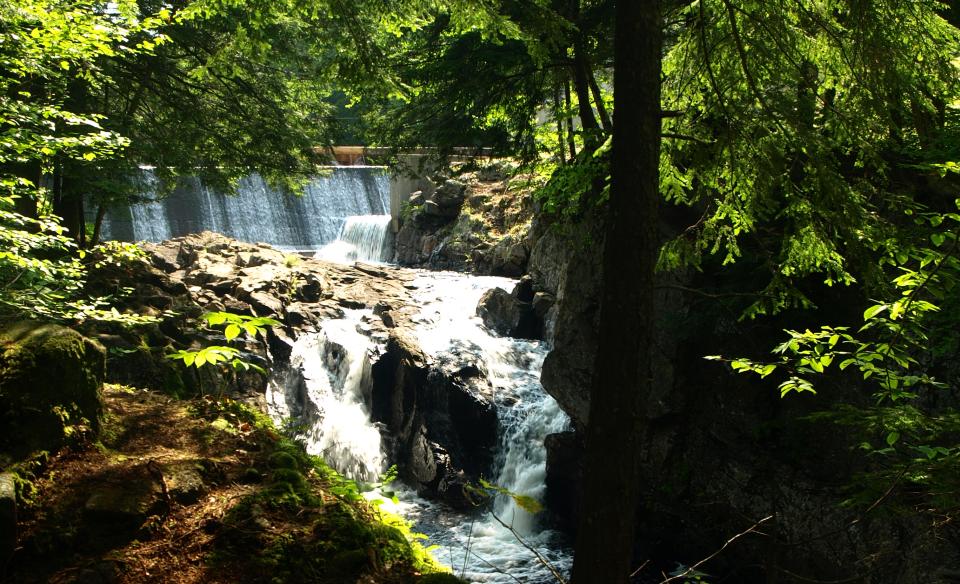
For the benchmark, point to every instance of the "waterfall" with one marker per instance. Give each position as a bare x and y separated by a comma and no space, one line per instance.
365,238
447,327
257,213
326,391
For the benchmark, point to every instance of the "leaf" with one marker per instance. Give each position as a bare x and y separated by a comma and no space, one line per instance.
874,311
892,438
938,239
231,332
527,503
215,318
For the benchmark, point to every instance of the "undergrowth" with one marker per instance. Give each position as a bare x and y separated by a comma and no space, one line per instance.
308,523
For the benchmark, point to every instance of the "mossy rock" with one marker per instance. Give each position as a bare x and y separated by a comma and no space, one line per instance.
50,384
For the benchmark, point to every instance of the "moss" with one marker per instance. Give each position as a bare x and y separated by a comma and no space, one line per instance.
329,533
50,386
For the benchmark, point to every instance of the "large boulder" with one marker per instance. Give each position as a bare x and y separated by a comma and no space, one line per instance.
441,419
505,314
50,386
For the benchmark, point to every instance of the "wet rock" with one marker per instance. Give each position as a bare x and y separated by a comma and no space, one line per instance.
443,425
504,314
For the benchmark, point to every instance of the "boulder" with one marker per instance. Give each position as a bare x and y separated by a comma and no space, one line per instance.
119,505
50,384
442,422
504,314
450,194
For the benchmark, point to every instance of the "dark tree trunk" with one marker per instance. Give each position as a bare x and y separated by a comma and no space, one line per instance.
98,225
571,137
561,135
622,370
24,205
65,205
581,86
598,99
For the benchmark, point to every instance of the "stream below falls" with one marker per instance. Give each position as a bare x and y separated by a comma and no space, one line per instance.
332,369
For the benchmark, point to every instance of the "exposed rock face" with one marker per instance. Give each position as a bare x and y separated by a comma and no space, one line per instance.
468,224
444,429
722,452
565,269
50,383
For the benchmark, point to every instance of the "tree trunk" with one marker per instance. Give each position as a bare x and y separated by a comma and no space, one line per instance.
98,225
598,99
622,370
581,86
571,137
561,135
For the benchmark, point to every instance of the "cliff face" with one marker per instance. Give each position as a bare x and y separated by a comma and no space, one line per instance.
477,222
722,452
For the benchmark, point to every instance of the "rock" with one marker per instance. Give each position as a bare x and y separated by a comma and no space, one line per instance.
450,194
265,304
431,208
8,518
508,257
443,426
416,199
50,383
564,472
120,505
502,313
568,369
185,481
494,172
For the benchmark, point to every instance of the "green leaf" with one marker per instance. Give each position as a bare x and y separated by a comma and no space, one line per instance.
938,239
892,438
874,311
215,318
231,332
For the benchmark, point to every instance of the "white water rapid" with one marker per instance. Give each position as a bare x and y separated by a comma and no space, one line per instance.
326,391
257,213
481,548
366,238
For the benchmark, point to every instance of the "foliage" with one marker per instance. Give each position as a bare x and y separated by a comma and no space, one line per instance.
892,352
335,518
793,119
226,356
45,47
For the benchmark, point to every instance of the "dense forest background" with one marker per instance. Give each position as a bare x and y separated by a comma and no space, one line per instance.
786,169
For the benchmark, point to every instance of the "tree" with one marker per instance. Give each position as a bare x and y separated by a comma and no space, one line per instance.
622,371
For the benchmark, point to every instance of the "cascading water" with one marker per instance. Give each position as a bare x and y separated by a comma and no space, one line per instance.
326,390
257,213
365,238
483,549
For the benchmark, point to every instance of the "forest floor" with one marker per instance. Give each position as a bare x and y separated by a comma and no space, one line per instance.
195,491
